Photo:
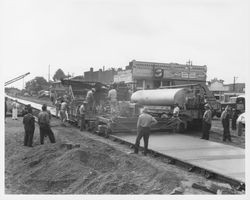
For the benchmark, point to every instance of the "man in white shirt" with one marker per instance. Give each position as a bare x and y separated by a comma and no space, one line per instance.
15,107
90,99
82,112
63,111
144,123
176,110
112,95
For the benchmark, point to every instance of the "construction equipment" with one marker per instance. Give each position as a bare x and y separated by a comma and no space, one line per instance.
15,79
191,99
77,95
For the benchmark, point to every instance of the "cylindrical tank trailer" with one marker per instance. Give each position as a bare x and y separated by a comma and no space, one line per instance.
160,97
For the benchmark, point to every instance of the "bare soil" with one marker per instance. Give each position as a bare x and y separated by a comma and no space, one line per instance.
83,163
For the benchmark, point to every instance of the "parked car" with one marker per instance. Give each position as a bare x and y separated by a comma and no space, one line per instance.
241,124
241,119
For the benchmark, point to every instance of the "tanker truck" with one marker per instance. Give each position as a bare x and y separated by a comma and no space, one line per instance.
190,98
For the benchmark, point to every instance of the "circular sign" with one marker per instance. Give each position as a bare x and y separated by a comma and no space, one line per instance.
158,73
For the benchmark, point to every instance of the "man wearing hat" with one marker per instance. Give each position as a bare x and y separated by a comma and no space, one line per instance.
90,99
44,124
225,119
15,107
144,123
206,122
29,127
82,111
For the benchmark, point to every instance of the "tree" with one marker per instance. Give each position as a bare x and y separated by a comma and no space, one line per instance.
59,74
37,84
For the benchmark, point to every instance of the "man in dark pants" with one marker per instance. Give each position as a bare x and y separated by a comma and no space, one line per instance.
206,122
44,123
234,118
82,111
225,119
144,123
29,127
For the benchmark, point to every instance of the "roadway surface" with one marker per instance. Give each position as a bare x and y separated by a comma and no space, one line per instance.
218,158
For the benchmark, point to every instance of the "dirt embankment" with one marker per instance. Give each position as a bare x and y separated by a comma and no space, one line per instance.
82,163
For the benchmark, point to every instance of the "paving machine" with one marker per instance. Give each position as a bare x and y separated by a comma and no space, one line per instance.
191,99
77,95
160,102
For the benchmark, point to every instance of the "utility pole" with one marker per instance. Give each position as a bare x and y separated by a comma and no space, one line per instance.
234,83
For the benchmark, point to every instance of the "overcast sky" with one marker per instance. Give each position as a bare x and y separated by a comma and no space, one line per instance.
75,35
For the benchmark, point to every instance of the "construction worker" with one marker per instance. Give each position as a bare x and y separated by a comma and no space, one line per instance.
82,111
225,119
63,111
234,119
144,123
15,107
176,110
90,99
29,127
44,124
58,106
112,95
206,122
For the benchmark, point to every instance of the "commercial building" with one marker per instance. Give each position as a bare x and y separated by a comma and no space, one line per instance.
223,92
102,75
148,75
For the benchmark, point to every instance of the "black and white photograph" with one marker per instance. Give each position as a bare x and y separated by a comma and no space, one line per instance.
127,99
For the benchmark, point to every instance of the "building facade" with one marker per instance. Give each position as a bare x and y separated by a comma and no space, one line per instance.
218,88
236,87
151,75
223,92
103,76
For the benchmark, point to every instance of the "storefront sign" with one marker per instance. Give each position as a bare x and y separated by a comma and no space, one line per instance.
158,73
168,71
140,72
123,76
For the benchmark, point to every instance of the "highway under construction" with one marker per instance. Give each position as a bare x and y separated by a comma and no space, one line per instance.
207,158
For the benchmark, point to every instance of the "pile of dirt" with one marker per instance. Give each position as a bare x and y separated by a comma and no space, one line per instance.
82,163
53,168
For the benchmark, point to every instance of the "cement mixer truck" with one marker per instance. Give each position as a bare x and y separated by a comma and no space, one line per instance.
190,98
